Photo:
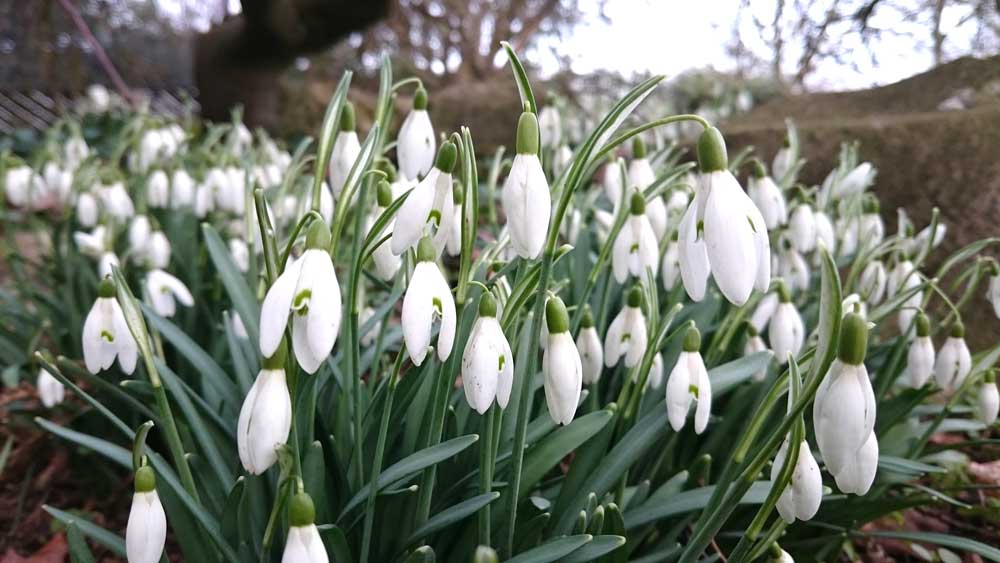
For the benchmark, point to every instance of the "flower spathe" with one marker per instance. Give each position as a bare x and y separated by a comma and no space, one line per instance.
105,334
415,144
146,532
307,290
635,249
428,298
50,390
561,365
689,381
487,363
804,493
165,291
526,198
428,207
265,417
722,232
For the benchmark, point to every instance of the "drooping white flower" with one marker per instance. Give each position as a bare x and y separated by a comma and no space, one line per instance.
844,412
158,250
953,361
427,206
767,196
626,335
346,149
870,225
526,199
588,343
612,181
75,151
106,263
138,234
265,417
58,181
920,357
158,189
783,161
655,377
105,334
794,268
87,210
641,176
677,203
233,196
923,237
487,363
824,231
116,201
98,97
561,365
855,181
240,252
873,282
689,381
50,390
182,189
303,543
165,291
899,275
802,227
722,232
386,263
854,304
781,557
765,309
988,400
146,532
804,493
94,243
993,291
561,160
670,268
453,246
550,126
308,290
415,144
427,299
635,249
786,332
755,344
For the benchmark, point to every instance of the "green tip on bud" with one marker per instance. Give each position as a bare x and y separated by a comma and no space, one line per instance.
485,554
637,205
853,339
420,99
871,205
784,296
751,330
527,133
993,268
991,376
692,339
426,251
318,236
775,550
587,320
923,325
638,148
674,236
487,305
446,158
301,511
712,151
145,479
385,165
277,359
347,117
634,298
457,193
758,169
384,193
555,316
106,289
958,330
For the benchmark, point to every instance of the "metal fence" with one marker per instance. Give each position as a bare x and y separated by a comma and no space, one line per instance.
37,110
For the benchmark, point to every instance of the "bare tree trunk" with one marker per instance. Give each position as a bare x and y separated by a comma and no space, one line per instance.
779,45
937,34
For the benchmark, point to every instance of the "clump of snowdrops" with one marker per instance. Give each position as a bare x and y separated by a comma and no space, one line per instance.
372,350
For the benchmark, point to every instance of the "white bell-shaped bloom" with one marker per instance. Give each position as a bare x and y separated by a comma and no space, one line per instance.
872,283
844,412
240,253
801,498
87,210
309,291
165,291
722,232
588,343
138,234
754,345
158,250
50,390
782,557
116,201
872,229
265,417
561,160
204,200
94,243
106,264
612,181
526,199
427,299
899,275
802,227
561,365
233,197
854,304
415,144
636,248
346,149
550,125
786,332
641,176
303,543
453,246
105,334
767,196
993,293
855,181
689,381
670,268
626,335
923,237
794,268
182,189
782,162
987,402
17,185
386,263
655,377
677,203
158,189
487,363
58,180
765,309
146,532
75,151
430,202
953,361
825,233
98,98
920,356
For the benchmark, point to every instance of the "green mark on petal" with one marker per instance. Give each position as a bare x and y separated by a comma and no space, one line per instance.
501,361
434,217
107,336
752,227
693,389
301,302
626,337
437,305
634,248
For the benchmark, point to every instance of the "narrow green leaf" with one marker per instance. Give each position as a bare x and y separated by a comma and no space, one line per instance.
599,546
731,374
110,540
452,515
946,540
554,550
689,501
78,550
557,445
232,279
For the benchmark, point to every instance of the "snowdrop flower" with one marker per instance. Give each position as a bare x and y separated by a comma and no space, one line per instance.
204,200
923,237
855,182
722,232
768,198
780,556
854,304
58,180
233,196
689,380
677,202
526,198
844,412
182,189
920,357
551,126
386,263
454,243
346,149
415,144
98,97
165,291
786,332
871,225
17,185
588,343
266,415
75,151
872,283
908,309
50,390
368,338
612,181
93,243
428,297
802,227
640,177
561,365
953,361
635,249
217,183
106,264
897,278
627,333
988,401
309,291
105,334
427,206
824,231
561,160
87,210
303,543
993,292
783,160
794,268
240,252
158,189
755,344
802,497
487,363
655,377
138,234
158,250
116,201
240,138
765,309
670,269
146,532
